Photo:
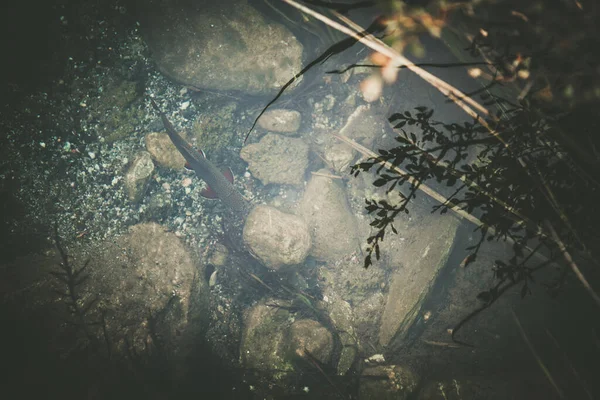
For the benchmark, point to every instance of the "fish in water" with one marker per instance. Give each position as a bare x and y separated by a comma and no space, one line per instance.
207,191
219,183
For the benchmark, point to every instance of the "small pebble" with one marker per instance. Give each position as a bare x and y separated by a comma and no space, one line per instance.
186,182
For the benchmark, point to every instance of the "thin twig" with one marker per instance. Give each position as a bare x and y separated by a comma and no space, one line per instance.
398,60
571,263
441,344
537,357
573,370
326,175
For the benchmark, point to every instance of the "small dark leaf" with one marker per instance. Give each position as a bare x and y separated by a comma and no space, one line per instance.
384,204
392,187
367,261
395,116
380,182
402,139
377,251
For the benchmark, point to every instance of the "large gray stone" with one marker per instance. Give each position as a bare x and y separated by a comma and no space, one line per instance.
419,258
264,337
276,238
272,339
163,151
309,335
277,159
387,382
363,126
225,45
280,120
325,209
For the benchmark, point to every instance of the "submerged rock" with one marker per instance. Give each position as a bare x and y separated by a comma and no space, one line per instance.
342,317
264,337
163,151
138,175
273,339
214,129
420,260
277,159
223,45
309,335
355,298
363,126
280,120
391,382
340,156
123,294
148,275
134,288
325,209
276,238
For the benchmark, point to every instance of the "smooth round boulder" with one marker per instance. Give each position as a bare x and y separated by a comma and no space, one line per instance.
276,238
